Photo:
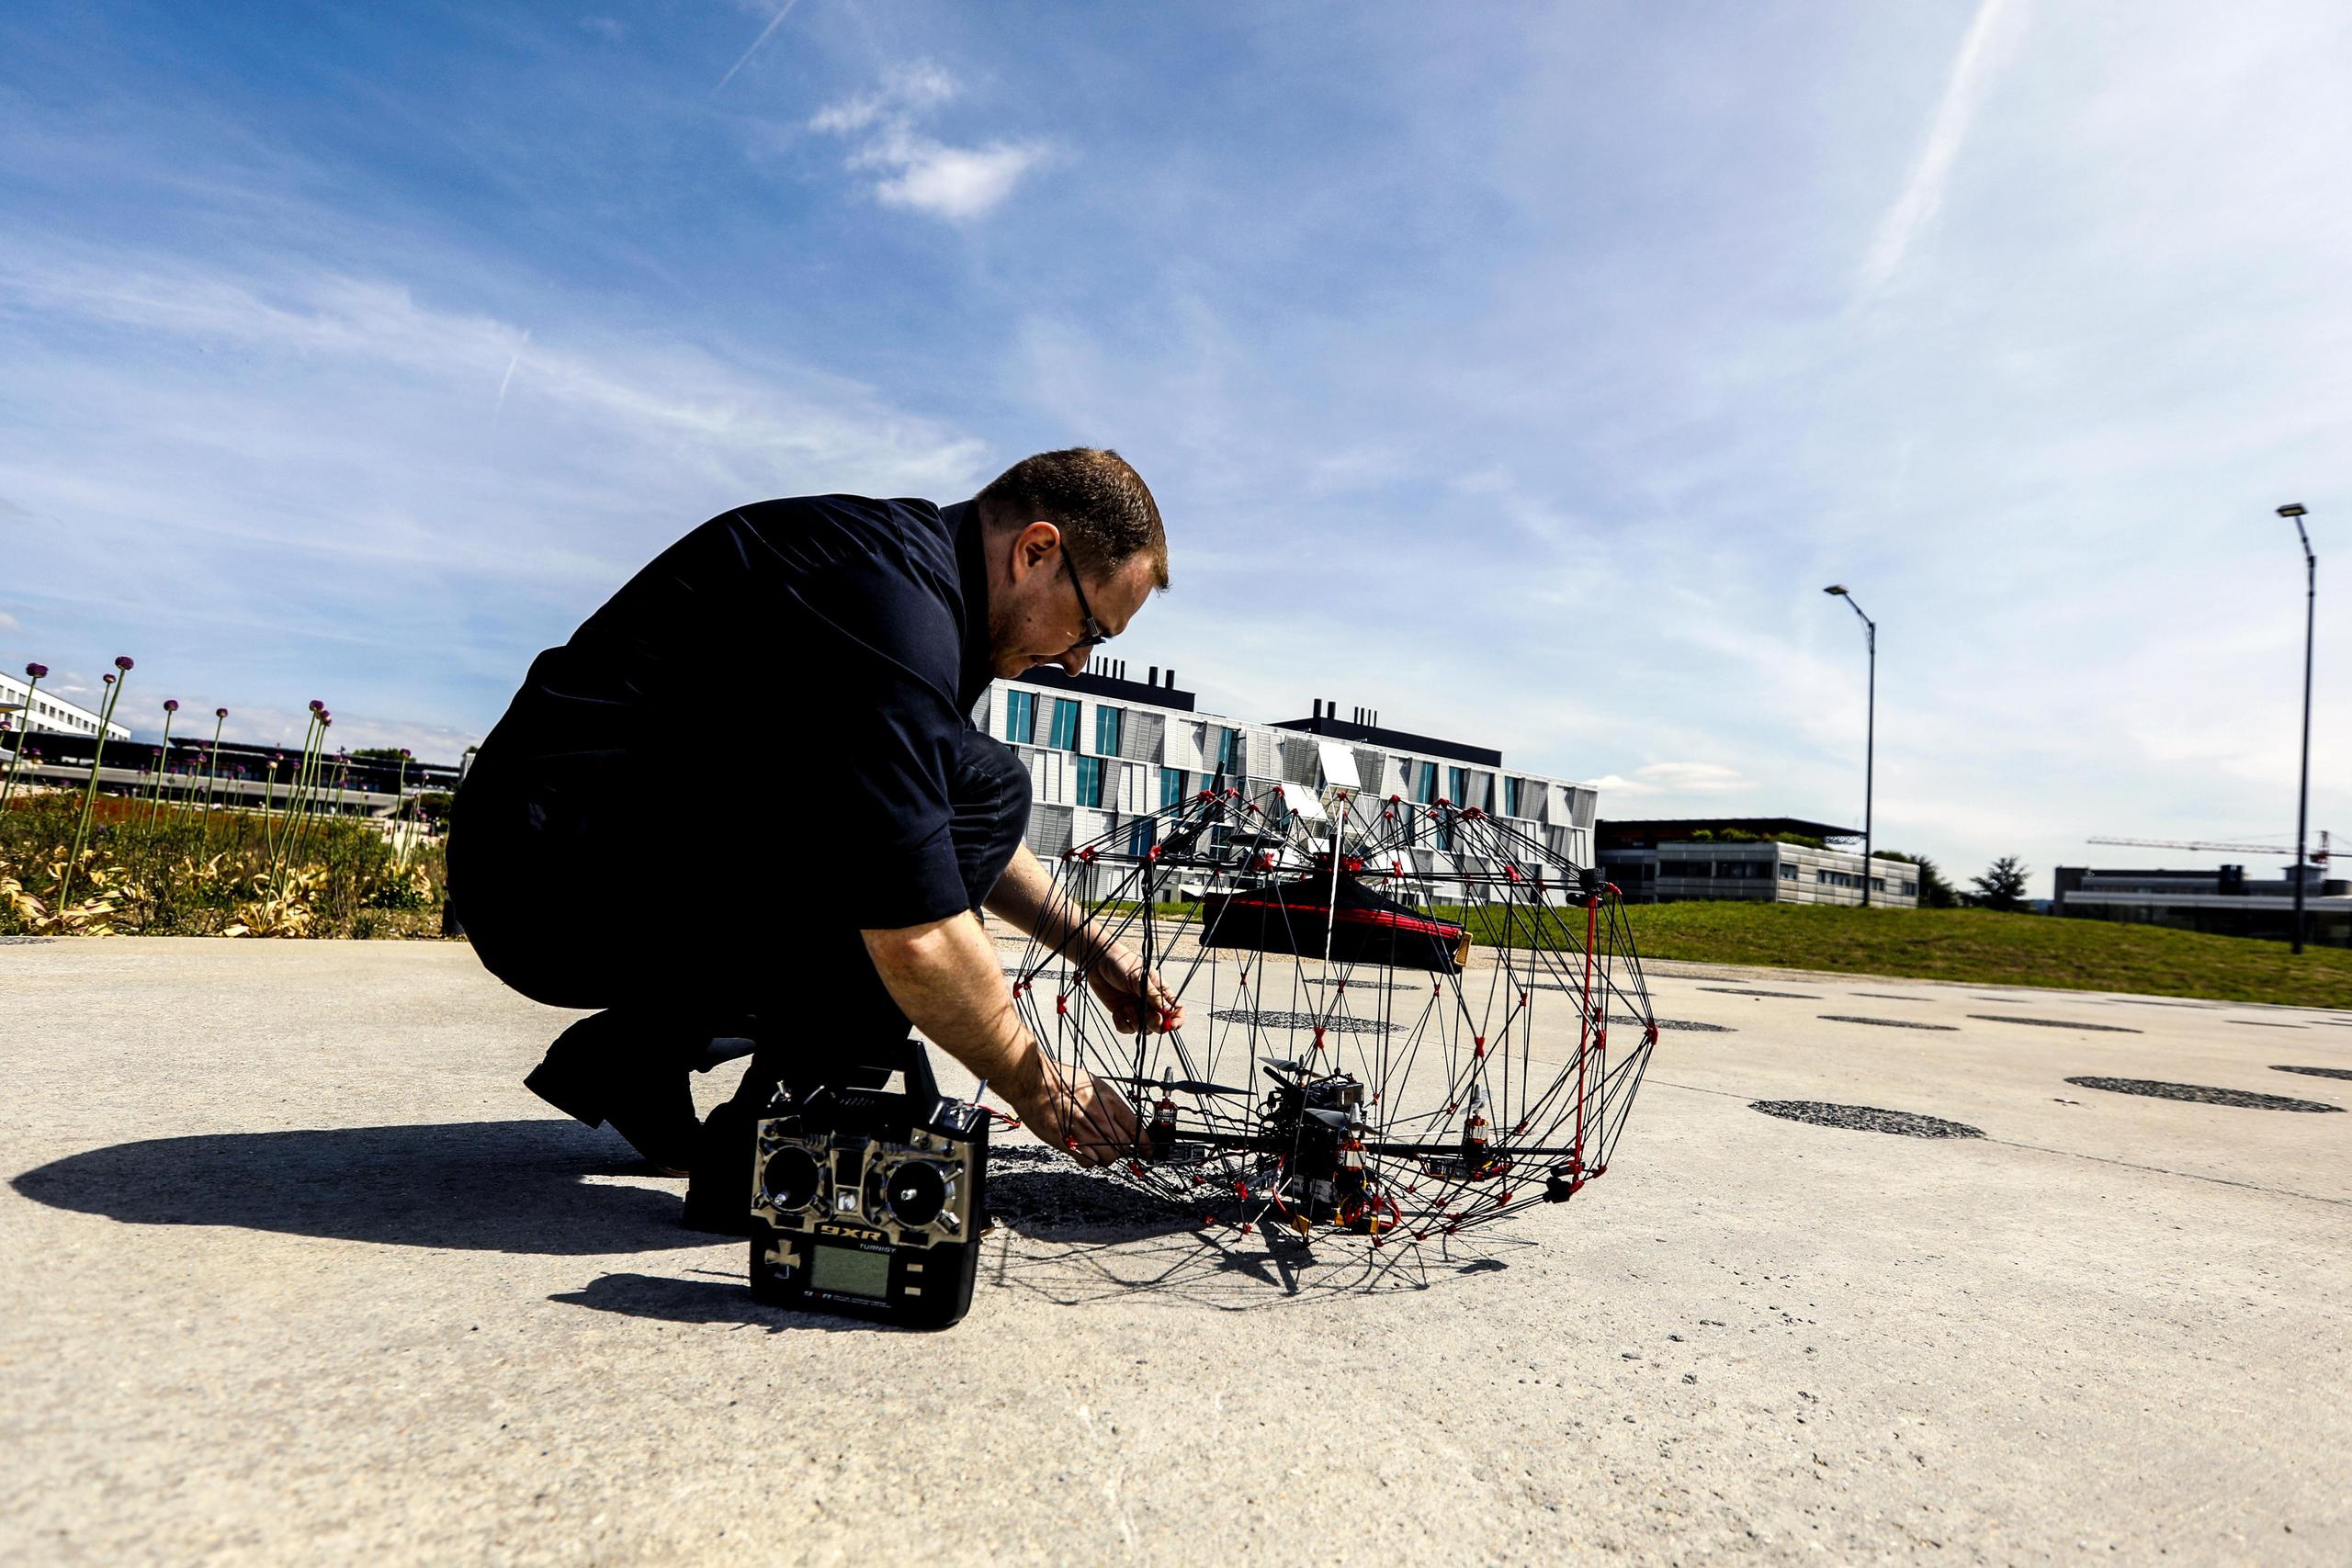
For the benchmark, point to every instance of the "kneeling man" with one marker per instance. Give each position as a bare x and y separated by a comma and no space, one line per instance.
744,808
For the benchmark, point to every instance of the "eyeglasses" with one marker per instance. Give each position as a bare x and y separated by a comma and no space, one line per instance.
1095,636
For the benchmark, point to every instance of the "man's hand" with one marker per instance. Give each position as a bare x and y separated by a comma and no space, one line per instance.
1069,1110
1132,996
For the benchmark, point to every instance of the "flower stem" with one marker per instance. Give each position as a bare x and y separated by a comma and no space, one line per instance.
89,796
163,762
17,752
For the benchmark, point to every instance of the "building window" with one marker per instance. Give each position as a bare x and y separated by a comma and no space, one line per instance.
1788,871
1425,786
1063,737
1090,778
1510,797
1228,751
1021,717
1141,835
1107,725
1171,786
1457,785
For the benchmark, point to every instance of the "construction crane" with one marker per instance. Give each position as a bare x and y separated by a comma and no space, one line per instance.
2319,855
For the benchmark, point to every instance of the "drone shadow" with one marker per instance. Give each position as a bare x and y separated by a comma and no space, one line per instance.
1225,1269
1073,1237
513,1187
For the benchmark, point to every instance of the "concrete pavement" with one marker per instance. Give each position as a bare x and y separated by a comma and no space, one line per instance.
299,1272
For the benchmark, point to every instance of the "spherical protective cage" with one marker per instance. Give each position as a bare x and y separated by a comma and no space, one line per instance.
1399,1041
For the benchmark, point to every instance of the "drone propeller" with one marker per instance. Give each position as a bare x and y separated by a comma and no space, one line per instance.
1180,1086
1335,1120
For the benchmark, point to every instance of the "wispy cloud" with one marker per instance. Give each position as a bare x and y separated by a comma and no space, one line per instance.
1923,189
1677,778
917,172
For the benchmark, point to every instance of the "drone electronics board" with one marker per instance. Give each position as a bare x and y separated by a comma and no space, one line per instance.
1401,1020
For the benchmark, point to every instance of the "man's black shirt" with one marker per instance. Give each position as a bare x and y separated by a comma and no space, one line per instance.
798,671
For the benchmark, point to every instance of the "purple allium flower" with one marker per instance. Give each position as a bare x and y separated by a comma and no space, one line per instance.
122,661
108,678
220,713
171,704
35,670
316,705
404,753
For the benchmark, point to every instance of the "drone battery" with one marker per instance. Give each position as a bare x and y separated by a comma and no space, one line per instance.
868,1203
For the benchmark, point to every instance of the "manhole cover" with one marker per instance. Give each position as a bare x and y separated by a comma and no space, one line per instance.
2265,1024
2053,1023
1889,1022
1865,1119
2201,1094
1889,997
1304,1021
1676,1024
2344,1073
1748,991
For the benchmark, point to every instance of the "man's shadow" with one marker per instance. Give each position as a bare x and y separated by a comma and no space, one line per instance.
471,1186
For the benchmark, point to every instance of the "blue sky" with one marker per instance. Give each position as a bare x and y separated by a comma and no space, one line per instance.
1521,370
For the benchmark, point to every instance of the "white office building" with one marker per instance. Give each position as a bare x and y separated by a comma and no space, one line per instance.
1104,750
31,711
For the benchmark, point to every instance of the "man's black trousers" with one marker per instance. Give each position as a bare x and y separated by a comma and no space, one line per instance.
566,901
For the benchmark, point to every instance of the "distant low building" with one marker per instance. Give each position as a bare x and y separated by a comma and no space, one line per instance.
1779,860
32,711
2223,902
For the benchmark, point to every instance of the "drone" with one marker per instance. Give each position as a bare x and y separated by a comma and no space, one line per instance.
1402,1021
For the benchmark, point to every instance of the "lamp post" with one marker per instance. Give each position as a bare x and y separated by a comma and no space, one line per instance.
1870,730
2303,795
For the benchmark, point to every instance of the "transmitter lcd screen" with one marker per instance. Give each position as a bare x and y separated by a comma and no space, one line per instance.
850,1271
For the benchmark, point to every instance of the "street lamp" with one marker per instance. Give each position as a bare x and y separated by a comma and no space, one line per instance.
1869,731
2303,798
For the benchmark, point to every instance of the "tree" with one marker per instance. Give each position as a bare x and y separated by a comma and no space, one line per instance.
1935,893
2002,886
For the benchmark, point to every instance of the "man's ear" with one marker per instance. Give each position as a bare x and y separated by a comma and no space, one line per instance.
1034,545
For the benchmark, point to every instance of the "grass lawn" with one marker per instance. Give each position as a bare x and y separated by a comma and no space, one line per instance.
1977,946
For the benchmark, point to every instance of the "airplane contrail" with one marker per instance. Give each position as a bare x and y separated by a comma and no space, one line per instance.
508,380
1923,190
773,22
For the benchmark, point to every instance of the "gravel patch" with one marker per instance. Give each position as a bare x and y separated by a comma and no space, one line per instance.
1304,1021
2200,1094
2054,1022
1747,991
1888,1023
1865,1119
2344,1073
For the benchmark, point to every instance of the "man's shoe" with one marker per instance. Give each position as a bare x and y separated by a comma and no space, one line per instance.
601,1071
718,1188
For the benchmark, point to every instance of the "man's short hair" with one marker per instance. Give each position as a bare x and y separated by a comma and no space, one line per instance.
1101,504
